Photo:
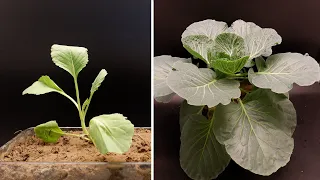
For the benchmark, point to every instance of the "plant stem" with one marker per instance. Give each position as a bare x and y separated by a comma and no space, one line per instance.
236,77
241,75
83,124
76,135
71,99
245,91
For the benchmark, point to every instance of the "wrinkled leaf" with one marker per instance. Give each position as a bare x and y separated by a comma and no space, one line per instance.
70,58
201,155
163,65
244,29
42,86
99,79
198,46
48,132
258,41
199,37
282,70
230,44
199,86
111,133
253,132
229,66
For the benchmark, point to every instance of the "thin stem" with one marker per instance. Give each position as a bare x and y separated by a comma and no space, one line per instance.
77,135
245,91
236,77
71,99
241,74
83,124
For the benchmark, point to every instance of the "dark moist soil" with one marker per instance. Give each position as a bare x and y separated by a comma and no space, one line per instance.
74,149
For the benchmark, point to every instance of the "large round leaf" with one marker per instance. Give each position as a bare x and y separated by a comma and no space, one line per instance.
201,155
199,86
163,65
111,133
284,69
254,135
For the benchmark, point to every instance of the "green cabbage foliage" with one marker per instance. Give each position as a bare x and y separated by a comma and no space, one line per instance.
108,132
237,107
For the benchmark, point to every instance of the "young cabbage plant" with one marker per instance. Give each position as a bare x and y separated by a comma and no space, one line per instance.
237,107
109,133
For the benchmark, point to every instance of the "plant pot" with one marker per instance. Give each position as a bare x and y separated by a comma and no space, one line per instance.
29,170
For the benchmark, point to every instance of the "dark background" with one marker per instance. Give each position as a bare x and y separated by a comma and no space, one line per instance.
118,37
297,21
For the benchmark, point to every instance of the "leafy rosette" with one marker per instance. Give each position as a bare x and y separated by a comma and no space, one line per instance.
229,49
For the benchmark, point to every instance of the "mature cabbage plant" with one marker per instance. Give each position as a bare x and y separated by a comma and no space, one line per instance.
237,108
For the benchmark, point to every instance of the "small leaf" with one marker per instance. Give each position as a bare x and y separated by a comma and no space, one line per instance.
111,133
230,44
254,132
48,132
199,37
163,65
199,86
85,105
229,66
282,70
201,155
70,58
99,79
42,86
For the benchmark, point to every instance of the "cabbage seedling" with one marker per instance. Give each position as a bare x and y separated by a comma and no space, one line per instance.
237,106
109,133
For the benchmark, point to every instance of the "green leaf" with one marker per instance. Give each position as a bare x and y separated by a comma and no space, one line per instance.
85,105
229,66
111,133
70,58
201,155
99,79
42,86
199,37
254,132
48,132
163,65
199,46
258,41
279,101
284,69
199,86
186,110
230,44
